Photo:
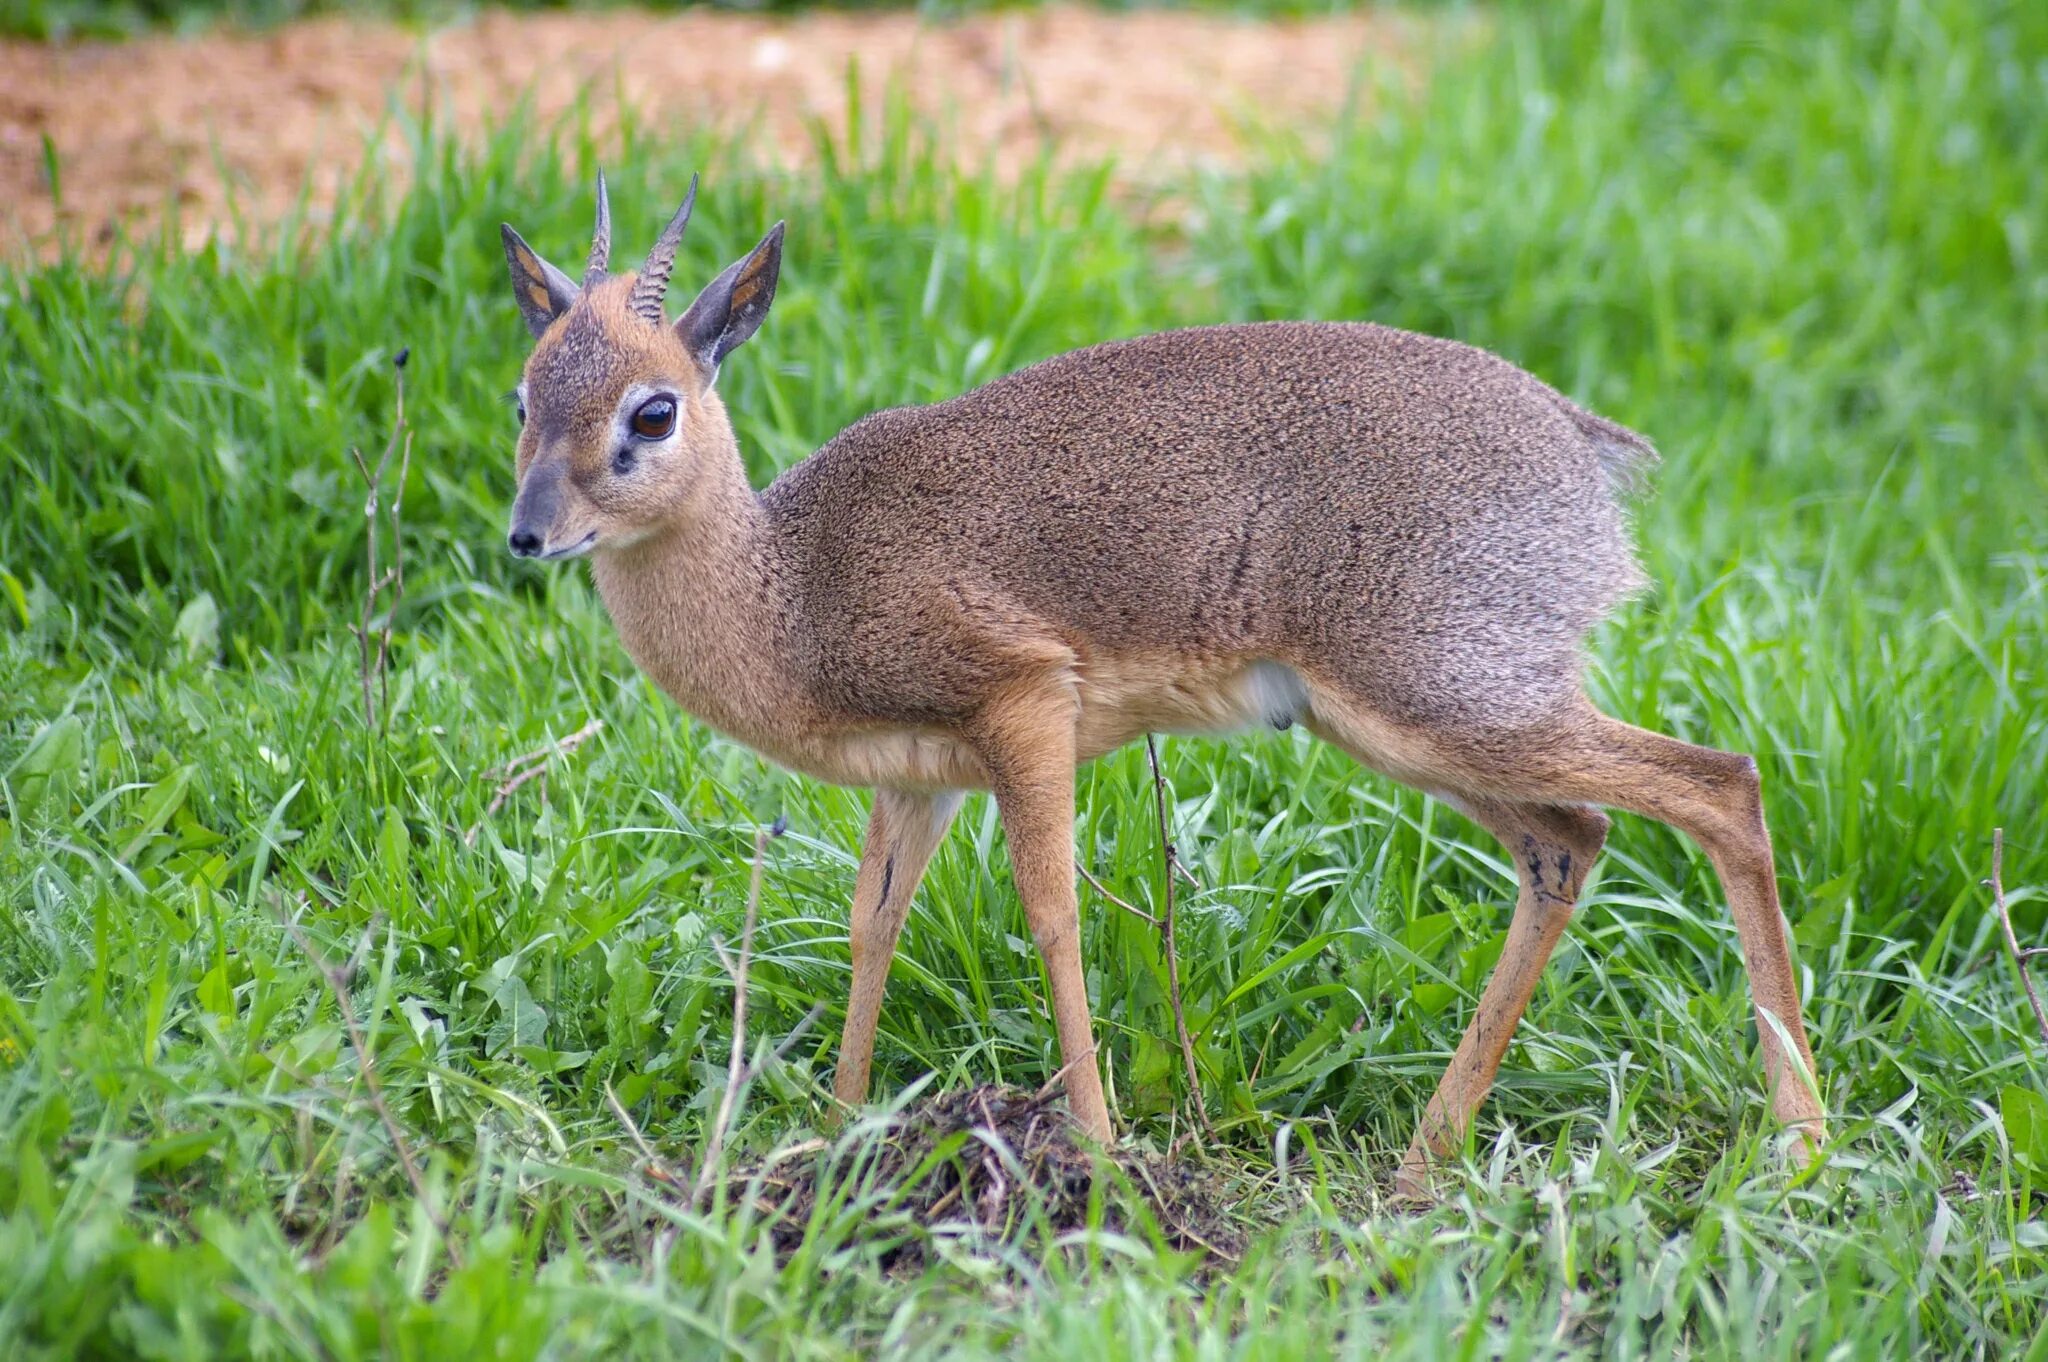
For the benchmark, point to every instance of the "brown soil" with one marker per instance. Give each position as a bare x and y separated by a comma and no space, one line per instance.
140,123
1019,1167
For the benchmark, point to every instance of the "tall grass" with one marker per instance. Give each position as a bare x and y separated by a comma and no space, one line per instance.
1800,246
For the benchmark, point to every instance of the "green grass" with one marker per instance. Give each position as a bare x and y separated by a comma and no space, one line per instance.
1802,248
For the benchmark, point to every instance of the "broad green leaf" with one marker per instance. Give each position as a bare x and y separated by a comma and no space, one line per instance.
198,627
2024,1113
177,1151
1426,935
164,799
43,775
216,993
1147,1086
394,846
521,1020
1434,998
629,1008
17,597
32,1185
552,1061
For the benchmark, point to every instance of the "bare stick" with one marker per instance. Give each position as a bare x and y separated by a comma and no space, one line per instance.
374,667
396,577
2012,941
540,754
714,1146
788,1042
337,984
1046,1089
655,1166
1169,857
1133,909
532,766
1159,1199
362,630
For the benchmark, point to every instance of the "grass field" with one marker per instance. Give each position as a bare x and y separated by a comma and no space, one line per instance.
1805,248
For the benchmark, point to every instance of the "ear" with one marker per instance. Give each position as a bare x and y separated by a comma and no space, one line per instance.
732,306
544,292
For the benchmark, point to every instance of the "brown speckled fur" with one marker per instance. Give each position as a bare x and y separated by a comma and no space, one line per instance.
1396,540
1414,517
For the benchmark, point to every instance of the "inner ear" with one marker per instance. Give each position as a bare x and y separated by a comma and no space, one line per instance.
732,307
543,292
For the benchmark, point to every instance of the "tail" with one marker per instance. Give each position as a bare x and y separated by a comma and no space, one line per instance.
1625,457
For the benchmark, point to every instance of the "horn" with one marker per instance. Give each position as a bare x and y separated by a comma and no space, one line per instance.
652,285
601,243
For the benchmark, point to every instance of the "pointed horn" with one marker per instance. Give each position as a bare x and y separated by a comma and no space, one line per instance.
652,285
601,243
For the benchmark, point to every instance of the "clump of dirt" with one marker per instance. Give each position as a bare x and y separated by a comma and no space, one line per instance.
242,121
988,1165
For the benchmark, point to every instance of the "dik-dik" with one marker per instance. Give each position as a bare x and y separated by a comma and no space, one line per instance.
1395,541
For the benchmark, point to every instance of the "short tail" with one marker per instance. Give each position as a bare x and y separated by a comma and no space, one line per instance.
1625,457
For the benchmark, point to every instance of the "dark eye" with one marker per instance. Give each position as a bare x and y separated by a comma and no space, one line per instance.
522,413
655,419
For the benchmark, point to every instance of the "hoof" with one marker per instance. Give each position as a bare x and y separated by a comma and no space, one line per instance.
1806,1142
1411,1183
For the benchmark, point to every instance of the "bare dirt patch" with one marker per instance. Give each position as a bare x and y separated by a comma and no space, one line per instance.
137,125
985,1165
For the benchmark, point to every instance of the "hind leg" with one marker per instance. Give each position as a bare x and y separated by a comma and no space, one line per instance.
1576,755
1715,798
1553,847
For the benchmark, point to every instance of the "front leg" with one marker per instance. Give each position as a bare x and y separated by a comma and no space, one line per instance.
1028,746
903,831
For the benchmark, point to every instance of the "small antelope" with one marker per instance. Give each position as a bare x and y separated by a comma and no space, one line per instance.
1396,541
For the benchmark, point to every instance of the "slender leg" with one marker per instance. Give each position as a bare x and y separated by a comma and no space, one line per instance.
1716,799
1028,746
1581,756
903,831
1553,847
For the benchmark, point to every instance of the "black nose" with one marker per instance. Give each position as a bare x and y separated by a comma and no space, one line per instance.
525,543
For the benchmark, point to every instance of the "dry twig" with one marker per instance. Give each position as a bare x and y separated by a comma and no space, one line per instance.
1164,925
515,773
1133,909
788,1042
1169,862
736,1070
375,665
2020,957
337,983
1177,1224
656,1168
1047,1088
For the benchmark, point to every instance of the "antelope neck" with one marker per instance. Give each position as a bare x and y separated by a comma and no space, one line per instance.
700,607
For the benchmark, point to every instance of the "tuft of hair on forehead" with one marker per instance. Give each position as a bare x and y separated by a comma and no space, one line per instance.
600,349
